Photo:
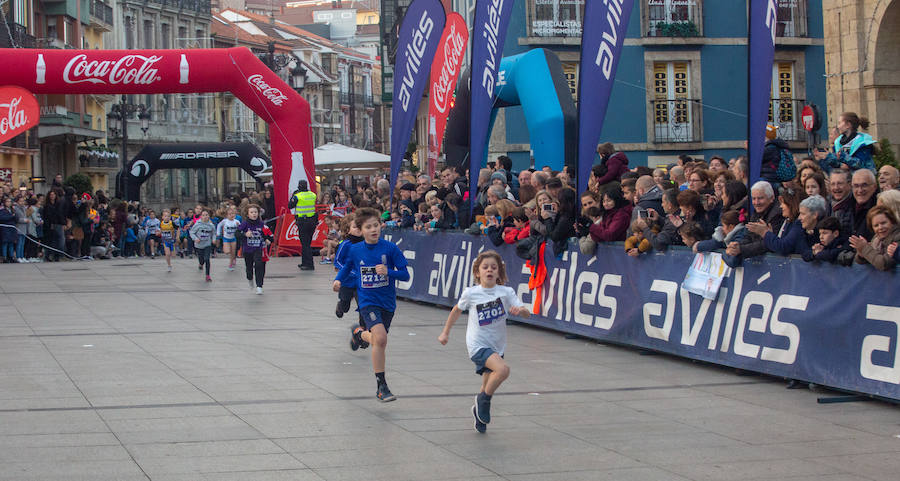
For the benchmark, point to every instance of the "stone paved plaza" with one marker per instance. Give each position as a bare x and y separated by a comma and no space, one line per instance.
116,370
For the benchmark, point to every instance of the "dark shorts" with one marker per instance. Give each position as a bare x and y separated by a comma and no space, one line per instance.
376,315
481,356
153,237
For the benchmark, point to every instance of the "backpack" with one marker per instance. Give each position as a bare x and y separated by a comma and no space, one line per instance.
787,168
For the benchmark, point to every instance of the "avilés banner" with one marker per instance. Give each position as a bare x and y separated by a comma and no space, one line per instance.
763,19
19,111
488,37
418,40
444,73
601,47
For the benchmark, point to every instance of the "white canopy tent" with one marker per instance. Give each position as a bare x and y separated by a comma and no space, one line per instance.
335,159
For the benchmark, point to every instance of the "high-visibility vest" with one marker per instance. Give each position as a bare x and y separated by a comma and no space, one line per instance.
306,204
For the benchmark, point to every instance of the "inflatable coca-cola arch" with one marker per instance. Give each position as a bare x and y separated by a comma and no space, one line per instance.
234,70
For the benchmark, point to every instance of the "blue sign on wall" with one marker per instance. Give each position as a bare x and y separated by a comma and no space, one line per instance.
840,330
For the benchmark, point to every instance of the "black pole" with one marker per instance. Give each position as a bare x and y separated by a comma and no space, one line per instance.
124,113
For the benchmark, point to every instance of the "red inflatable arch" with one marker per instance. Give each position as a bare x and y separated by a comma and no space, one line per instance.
234,70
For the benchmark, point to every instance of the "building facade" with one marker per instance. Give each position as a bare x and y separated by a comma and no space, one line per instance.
681,85
71,136
862,61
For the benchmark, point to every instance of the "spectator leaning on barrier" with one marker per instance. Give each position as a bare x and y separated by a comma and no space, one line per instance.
616,218
649,197
881,250
832,246
765,210
792,237
864,187
660,230
730,229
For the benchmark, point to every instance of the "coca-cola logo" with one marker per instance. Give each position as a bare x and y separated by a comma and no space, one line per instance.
292,233
19,111
128,70
272,93
454,47
14,118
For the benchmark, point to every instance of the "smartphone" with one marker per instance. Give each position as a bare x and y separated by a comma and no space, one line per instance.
643,214
547,207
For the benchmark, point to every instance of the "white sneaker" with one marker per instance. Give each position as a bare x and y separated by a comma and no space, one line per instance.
259,290
20,260
230,268
252,284
169,268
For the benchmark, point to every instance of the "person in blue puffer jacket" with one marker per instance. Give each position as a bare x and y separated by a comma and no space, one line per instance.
851,147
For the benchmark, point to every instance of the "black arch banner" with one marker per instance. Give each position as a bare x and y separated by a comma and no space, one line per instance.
189,156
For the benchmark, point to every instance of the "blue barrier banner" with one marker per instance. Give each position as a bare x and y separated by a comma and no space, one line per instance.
840,331
763,19
417,42
488,36
601,47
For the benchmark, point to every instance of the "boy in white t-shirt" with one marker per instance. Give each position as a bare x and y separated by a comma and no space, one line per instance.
488,303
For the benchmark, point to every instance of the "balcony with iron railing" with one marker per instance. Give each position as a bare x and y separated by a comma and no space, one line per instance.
675,121
199,6
345,98
101,15
368,101
672,18
16,36
25,140
785,114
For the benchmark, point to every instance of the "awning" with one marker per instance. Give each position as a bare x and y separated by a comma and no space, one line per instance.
67,133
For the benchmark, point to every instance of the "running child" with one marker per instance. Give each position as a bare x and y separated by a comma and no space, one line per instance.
152,226
167,232
488,303
203,233
352,235
377,264
226,230
257,237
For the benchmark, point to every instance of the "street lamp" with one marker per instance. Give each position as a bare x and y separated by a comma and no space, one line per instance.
298,75
117,121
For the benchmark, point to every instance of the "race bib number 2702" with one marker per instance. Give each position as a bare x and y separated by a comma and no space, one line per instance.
490,312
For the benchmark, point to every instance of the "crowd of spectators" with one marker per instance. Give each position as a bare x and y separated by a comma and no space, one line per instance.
64,224
829,211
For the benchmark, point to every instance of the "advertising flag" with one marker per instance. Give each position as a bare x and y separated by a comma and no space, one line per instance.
488,37
602,38
416,45
444,73
763,20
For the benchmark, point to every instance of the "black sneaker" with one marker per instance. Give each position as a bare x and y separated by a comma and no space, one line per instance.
384,394
482,408
356,340
338,310
479,426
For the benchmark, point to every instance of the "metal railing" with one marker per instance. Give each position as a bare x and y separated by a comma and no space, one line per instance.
345,98
785,114
675,120
101,11
199,6
792,19
325,116
17,36
548,18
369,101
25,140
673,18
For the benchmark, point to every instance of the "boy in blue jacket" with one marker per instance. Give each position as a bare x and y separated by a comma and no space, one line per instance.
377,264
347,292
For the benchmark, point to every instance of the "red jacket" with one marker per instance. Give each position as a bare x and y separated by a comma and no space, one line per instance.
613,226
616,165
513,235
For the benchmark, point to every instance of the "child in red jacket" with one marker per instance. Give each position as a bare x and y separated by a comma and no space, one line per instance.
522,227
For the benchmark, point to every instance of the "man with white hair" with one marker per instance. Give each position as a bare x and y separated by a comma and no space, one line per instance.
841,203
864,187
765,209
888,177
